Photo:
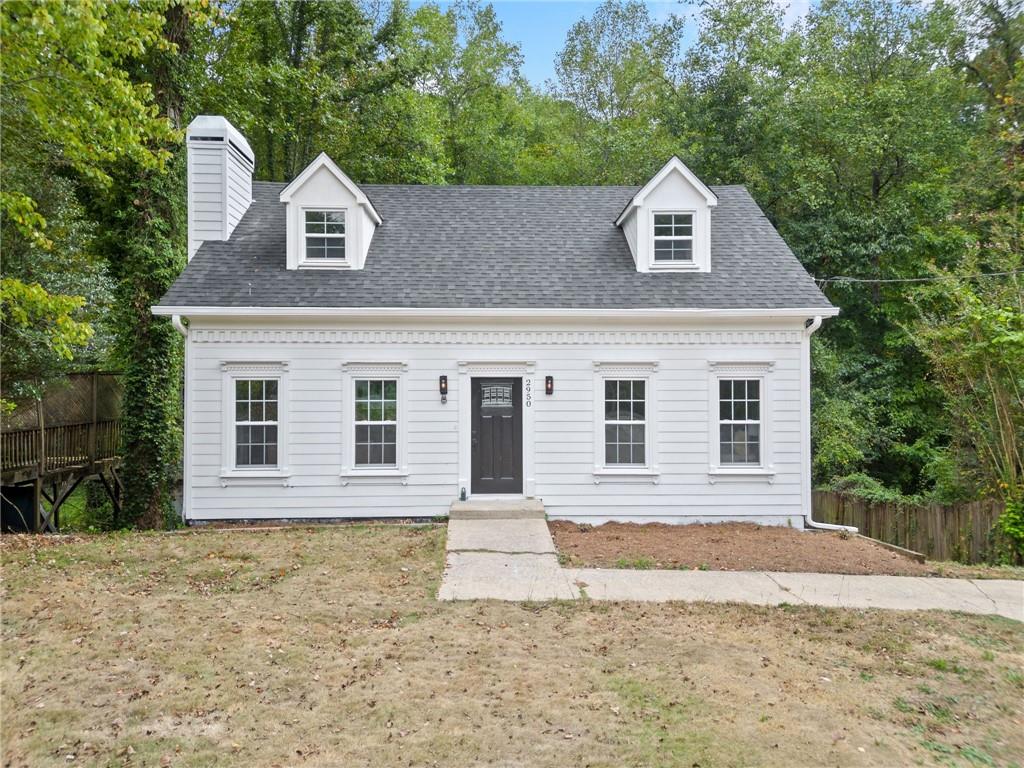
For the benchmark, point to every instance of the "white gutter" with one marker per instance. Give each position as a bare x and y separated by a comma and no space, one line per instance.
178,325
809,521
363,313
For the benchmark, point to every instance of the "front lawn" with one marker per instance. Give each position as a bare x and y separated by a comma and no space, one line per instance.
325,646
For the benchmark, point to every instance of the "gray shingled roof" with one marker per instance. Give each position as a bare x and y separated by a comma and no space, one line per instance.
506,247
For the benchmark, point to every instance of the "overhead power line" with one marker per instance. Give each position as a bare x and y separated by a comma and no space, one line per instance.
931,279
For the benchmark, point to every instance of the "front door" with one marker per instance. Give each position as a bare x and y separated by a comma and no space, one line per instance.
497,435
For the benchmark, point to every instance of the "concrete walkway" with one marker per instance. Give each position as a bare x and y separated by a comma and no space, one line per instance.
516,560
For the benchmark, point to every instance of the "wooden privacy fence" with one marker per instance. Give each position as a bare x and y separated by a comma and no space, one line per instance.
939,531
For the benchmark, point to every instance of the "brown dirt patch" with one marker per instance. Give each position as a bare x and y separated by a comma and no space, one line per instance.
726,547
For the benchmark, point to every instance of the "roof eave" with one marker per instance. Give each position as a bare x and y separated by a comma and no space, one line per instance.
494,312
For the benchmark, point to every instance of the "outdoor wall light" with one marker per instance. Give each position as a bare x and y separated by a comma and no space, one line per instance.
549,385
442,385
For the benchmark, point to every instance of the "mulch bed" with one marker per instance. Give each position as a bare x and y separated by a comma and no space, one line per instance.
726,547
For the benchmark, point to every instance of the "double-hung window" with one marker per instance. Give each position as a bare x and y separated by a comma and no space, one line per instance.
256,436
373,421
625,422
324,236
376,422
673,238
739,422
254,420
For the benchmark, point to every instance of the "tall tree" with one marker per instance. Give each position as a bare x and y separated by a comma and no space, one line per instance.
299,78
615,68
142,234
67,107
875,138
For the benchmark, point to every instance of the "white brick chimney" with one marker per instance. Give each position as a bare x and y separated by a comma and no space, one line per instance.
220,166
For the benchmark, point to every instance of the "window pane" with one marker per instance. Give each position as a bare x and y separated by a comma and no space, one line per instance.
611,455
739,410
376,411
638,410
638,453
241,389
334,217
390,389
624,390
388,433
609,390
376,453
739,452
662,218
242,411
362,434
754,453
753,388
362,454
270,434
624,411
753,410
389,454
334,251
638,390
256,390
725,433
270,410
739,389
725,389
724,411
610,433
361,411
271,454
610,410
726,454
376,389
390,411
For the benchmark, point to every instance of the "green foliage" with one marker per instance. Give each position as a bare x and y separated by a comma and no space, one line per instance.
65,88
1011,525
33,319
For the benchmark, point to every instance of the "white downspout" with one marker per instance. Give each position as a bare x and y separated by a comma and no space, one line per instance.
805,365
179,326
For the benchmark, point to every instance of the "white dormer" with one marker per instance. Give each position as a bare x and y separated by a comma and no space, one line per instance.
330,220
667,224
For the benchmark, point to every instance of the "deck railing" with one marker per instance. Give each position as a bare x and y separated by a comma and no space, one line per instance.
59,447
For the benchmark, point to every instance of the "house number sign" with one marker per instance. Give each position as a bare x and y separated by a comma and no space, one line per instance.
528,384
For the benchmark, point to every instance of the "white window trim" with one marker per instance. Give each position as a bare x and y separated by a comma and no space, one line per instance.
644,371
761,371
694,265
307,263
350,373
231,371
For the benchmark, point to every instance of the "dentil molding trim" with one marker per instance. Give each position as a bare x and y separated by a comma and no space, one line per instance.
251,336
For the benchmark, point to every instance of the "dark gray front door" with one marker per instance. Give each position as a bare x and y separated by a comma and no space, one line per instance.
497,435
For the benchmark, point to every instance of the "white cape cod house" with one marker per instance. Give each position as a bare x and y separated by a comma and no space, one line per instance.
381,350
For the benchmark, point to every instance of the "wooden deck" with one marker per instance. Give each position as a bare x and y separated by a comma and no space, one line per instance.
49,461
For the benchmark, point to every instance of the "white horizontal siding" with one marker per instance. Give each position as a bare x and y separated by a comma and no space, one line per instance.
562,436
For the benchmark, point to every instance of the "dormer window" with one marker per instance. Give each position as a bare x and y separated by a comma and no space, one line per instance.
673,237
325,236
